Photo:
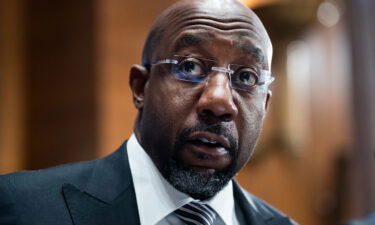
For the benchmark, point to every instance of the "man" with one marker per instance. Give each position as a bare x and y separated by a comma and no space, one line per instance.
201,94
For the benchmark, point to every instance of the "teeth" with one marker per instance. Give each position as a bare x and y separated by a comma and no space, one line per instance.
205,140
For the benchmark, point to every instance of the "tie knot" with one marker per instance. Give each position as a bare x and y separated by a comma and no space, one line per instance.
196,214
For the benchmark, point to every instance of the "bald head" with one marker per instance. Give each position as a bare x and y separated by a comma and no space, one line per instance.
226,16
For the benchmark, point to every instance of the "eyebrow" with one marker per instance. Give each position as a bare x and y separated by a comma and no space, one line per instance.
252,50
190,40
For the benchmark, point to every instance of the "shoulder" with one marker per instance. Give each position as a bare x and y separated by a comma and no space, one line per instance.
46,178
30,195
40,188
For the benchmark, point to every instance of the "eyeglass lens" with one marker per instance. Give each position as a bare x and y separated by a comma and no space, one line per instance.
197,70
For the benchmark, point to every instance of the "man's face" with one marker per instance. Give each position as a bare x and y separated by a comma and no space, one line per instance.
200,135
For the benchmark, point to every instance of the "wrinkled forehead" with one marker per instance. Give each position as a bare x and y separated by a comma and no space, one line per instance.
196,22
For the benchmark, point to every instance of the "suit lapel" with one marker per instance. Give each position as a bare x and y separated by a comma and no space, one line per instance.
85,208
251,212
108,196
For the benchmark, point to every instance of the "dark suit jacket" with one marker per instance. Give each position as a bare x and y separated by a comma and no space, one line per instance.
99,192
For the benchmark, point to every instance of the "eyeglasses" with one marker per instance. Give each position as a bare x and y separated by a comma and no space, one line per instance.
196,70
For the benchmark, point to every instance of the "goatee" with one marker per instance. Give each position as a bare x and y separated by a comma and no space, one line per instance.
199,184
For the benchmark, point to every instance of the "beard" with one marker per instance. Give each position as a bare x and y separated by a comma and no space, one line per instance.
200,184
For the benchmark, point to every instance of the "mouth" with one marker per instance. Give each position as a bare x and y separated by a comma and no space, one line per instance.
206,150
210,141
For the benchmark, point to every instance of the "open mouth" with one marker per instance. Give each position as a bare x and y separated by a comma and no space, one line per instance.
207,150
208,143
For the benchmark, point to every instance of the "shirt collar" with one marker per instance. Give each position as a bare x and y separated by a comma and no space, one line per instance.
154,192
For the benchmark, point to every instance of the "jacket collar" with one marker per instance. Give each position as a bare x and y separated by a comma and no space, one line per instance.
107,197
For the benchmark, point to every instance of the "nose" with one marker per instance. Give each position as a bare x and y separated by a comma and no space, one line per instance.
216,99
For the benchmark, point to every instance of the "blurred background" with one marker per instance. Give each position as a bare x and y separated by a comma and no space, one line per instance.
64,95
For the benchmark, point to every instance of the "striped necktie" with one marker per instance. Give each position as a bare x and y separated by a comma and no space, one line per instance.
196,214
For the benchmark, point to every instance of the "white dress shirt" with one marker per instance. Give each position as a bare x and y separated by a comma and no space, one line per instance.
157,199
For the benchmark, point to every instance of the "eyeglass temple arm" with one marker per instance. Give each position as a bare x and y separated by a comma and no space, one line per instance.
165,61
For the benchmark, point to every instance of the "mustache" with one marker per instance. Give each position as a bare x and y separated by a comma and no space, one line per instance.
218,129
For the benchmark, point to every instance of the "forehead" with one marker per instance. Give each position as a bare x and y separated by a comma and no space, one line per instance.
207,27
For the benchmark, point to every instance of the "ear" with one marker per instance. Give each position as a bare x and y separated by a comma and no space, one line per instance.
268,99
137,80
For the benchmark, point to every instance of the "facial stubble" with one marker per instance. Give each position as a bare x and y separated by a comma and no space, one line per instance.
200,184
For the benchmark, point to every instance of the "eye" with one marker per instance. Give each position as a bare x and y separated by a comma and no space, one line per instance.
189,69
246,77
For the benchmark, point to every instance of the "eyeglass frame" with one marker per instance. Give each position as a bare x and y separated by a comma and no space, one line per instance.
262,80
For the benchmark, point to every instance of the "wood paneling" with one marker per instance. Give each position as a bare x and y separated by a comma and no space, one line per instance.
11,86
61,82
122,29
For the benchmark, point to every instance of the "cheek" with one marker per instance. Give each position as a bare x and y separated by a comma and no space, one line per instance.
182,97
249,127
168,105
160,120
253,119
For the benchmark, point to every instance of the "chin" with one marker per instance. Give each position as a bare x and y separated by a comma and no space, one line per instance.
198,183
